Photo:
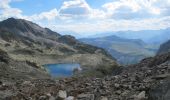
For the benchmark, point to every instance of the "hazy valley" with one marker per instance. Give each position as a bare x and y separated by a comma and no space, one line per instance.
126,51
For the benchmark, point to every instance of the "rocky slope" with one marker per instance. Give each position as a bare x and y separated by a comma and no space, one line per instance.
165,47
148,80
12,70
24,40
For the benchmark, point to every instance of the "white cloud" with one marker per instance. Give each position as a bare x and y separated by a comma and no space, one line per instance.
113,6
97,14
11,11
74,9
119,9
109,25
6,11
75,3
149,8
4,4
130,6
163,6
79,9
50,15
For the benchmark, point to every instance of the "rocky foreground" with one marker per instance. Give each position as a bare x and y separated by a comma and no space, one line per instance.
148,80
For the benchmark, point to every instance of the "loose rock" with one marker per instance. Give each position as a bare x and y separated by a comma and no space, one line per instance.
62,94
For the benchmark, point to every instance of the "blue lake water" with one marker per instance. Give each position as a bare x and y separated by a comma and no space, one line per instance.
61,70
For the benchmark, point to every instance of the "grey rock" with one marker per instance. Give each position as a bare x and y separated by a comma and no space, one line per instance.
167,95
70,98
42,97
125,93
104,98
118,92
159,77
117,85
85,97
52,98
62,94
1,82
141,96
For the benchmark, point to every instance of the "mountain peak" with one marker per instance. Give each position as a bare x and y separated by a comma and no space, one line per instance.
11,19
10,22
25,28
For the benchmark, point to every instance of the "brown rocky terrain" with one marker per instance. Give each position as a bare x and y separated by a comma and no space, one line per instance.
148,80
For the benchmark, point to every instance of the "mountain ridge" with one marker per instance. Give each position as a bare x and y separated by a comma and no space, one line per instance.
141,34
164,48
25,41
126,51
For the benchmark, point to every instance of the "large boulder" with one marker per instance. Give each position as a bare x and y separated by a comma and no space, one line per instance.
160,91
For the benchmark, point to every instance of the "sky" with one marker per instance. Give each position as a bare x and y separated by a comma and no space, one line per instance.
90,17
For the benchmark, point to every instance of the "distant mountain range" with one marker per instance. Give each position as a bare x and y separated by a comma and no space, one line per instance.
126,51
148,36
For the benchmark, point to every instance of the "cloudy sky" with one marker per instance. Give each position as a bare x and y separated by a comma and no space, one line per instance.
88,17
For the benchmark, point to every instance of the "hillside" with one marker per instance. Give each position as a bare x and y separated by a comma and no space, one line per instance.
27,41
126,51
164,48
147,80
19,70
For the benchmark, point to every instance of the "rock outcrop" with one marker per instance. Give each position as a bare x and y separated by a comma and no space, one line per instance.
164,48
